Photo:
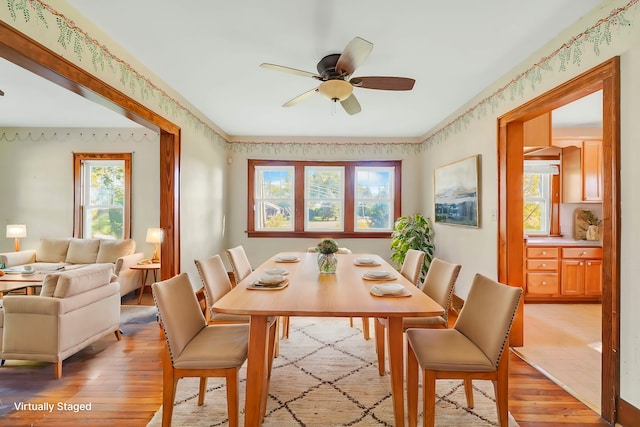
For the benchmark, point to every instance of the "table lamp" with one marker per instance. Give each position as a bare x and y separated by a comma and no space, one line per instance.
155,235
16,231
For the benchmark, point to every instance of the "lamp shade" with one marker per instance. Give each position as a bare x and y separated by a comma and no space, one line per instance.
154,235
16,230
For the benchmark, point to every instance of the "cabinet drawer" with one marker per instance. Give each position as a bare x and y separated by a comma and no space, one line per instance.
542,252
542,283
577,253
542,264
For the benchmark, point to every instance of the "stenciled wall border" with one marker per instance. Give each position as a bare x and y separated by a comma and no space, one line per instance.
71,36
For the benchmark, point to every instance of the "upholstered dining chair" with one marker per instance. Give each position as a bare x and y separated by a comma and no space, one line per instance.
412,266
475,348
216,285
239,263
242,268
438,285
195,349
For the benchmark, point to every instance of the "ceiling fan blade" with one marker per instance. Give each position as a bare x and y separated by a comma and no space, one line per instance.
353,55
351,105
291,70
383,83
300,98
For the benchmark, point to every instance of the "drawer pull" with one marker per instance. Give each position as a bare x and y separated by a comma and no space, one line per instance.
589,263
583,253
544,252
581,263
543,265
543,283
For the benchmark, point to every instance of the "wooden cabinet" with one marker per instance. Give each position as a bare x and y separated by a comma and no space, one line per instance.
582,172
581,271
563,273
537,131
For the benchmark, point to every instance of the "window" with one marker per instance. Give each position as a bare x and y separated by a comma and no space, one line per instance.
537,196
317,199
102,195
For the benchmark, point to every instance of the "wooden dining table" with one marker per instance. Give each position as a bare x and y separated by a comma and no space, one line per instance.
313,294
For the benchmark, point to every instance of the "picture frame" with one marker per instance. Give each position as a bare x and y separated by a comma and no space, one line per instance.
456,192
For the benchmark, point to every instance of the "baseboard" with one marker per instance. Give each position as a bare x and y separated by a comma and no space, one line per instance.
628,415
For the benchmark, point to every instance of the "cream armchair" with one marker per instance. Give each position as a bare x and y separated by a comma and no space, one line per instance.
74,309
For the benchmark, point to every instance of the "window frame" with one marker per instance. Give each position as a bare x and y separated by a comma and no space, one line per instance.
78,191
299,200
544,200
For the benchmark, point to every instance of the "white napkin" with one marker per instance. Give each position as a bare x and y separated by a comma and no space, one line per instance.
365,260
377,274
271,279
387,289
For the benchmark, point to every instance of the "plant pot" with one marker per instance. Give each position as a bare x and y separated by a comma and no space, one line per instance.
593,233
327,263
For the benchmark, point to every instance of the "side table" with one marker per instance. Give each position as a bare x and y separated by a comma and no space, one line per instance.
145,268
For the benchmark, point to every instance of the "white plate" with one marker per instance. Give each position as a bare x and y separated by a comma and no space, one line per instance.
276,271
365,260
387,289
287,258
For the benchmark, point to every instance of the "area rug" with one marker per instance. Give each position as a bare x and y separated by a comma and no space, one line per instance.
327,375
136,315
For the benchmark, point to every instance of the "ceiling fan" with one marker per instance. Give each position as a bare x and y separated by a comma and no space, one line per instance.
335,70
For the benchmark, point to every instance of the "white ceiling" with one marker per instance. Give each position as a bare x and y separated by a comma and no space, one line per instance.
210,52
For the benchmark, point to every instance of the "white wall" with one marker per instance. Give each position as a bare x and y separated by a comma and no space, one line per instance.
37,177
476,133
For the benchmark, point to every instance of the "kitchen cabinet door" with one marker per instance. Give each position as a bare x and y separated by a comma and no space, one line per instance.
592,171
572,282
593,277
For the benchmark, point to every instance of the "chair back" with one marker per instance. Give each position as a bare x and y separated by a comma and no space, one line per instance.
412,265
439,282
239,263
487,315
214,278
179,310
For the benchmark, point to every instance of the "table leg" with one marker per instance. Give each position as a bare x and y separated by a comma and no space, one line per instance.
396,362
256,386
143,275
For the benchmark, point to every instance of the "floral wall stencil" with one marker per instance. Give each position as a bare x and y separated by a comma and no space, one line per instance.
571,52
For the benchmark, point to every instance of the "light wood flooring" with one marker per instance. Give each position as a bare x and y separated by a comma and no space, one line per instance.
565,341
123,381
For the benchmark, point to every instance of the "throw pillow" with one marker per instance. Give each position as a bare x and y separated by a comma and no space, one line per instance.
83,251
111,250
52,250
49,285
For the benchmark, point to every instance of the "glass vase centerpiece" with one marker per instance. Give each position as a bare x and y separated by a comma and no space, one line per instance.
327,260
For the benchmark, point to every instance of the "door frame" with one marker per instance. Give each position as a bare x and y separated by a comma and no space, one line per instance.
29,54
605,77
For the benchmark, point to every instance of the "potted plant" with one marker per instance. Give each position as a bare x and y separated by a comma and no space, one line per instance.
327,261
412,232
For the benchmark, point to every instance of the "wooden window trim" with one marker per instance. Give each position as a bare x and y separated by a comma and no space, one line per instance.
78,159
299,165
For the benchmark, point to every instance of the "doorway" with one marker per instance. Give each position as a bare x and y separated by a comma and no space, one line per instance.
605,77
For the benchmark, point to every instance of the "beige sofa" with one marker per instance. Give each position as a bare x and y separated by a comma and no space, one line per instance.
74,309
71,253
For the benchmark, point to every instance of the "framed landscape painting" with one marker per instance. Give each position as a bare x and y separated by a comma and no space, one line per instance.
456,192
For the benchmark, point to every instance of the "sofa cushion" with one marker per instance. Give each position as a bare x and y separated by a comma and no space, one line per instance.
49,284
52,250
83,279
111,250
83,251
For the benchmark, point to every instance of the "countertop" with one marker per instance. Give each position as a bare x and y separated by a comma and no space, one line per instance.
561,241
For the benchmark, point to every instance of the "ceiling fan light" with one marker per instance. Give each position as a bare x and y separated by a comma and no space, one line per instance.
335,90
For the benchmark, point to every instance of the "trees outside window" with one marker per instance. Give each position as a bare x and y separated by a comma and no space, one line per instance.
319,199
102,195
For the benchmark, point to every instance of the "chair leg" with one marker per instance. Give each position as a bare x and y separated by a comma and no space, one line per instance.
468,393
501,386
429,398
202,390
276,348
351,322
169,384
365,328
285,327
412,385
233,397
379,331
271,349
118,334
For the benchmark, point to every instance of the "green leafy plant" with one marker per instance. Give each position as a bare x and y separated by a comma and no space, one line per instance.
412,232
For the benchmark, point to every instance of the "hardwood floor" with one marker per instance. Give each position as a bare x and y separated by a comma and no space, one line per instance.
122,380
